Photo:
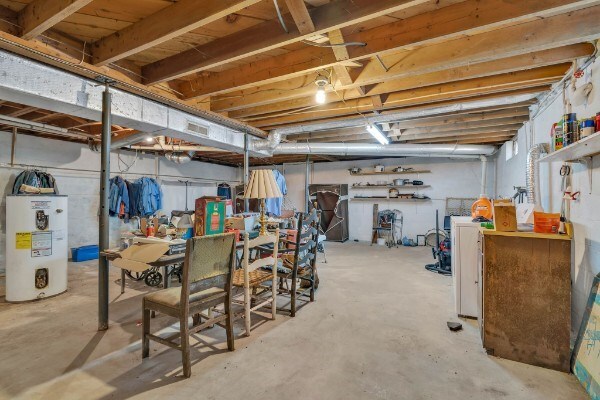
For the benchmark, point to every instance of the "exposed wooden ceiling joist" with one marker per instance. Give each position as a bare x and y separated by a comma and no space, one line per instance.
580,25
301,16
175,20
41,15
281,96
455,90
268,36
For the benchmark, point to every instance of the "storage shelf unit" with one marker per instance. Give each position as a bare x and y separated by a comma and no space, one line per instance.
391,173
588,147
391,187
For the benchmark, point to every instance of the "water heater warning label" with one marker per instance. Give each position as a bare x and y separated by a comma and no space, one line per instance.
23,240
41,244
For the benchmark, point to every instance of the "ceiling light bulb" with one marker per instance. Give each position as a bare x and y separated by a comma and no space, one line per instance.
377,133
320,96
149,139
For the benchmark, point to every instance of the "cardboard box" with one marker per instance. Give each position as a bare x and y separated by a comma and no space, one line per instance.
209,216
138,256
505,216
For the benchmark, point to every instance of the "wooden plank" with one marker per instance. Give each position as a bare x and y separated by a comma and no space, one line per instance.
41,15
182,17
295,93
541,34
301,16
268,36
406,135
493,136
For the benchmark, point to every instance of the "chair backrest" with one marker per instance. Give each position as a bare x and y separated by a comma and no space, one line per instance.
271,260
307,238
209,262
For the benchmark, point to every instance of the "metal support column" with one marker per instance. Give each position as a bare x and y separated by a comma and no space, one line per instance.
13,146
103,234
246,171
306,183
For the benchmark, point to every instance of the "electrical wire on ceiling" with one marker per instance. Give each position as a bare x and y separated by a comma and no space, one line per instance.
281,21
331,45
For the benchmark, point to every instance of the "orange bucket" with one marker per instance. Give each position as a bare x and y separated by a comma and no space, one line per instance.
545,222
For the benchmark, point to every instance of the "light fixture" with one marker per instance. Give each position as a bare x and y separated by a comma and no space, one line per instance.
149,139
262,186
320,96
377,133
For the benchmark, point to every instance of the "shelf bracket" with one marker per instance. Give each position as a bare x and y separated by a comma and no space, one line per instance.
587,162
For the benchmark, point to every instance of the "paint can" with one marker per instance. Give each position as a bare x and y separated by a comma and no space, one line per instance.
570,129
587,128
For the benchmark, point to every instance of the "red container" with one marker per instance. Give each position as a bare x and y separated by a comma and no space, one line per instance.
598,122
545,222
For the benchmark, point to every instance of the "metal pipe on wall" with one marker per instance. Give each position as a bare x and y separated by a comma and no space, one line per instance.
307,183
246,171
103,225
484,162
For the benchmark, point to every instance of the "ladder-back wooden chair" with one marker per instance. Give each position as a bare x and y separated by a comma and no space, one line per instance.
253,276
207,281
298,272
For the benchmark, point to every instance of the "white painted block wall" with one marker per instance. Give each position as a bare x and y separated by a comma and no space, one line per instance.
448,178
585,213
79,179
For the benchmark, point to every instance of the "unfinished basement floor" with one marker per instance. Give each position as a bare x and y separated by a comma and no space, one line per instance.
377,331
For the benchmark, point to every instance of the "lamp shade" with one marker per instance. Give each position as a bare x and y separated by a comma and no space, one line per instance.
262,185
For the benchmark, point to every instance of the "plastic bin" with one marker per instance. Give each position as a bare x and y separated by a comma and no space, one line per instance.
545,222
85,253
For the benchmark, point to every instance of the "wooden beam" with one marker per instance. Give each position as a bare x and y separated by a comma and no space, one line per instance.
296,93
463,118
461,132
488,137
41,15
175,20
268,36
467,88
301,16
541,34
22,111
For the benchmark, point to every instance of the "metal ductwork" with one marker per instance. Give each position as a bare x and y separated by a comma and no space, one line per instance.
392,150
38,85
180,157
270,144
420,112
532,174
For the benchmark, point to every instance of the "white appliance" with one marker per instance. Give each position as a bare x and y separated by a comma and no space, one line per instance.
36,247
464,235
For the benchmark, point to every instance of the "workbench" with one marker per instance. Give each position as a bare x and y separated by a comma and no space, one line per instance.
524,297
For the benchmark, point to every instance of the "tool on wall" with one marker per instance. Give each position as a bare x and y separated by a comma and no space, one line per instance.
568,196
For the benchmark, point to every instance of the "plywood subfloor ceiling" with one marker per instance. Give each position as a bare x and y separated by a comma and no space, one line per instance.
239,59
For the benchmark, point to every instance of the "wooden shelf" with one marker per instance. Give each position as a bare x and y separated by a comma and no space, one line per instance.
585,148
390,187
391,173
387,199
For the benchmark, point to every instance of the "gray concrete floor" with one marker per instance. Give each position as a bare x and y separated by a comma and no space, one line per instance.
377,331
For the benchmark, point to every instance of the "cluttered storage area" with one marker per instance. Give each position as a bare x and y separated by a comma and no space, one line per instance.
299,199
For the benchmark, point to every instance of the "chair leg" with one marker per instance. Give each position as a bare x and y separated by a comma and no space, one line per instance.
312,286
274,298
293,297
247,306
229,324
185,346
145,333
210,313
196,319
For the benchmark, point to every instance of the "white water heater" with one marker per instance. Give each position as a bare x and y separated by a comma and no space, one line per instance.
36,246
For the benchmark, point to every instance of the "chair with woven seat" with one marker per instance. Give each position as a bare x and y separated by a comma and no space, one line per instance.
298,263
253,276
207,282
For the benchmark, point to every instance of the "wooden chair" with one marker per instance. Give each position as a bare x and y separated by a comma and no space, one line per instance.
253,276
299,263
207,281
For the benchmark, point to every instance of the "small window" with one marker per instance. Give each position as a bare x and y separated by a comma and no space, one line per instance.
512,149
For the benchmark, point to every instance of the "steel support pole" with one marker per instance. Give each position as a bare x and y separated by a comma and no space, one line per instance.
246,171
306,183
13,146
103,231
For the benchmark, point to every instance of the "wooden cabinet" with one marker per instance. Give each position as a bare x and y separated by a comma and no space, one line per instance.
525,297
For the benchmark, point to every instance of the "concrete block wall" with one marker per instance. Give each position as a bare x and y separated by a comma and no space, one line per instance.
448,178
76,170
585,213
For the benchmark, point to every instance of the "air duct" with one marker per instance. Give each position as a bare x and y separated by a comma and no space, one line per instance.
392,150
532,174
270,144
180,157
